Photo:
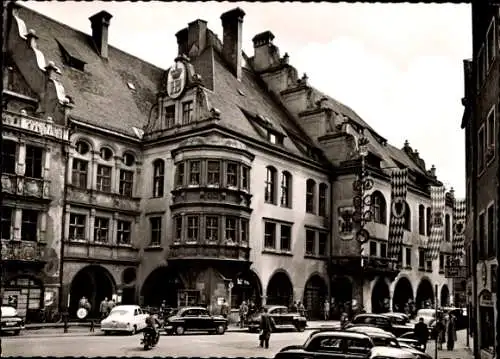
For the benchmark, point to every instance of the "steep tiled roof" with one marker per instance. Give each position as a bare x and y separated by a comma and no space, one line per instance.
100,93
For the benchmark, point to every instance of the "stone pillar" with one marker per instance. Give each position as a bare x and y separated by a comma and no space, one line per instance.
69,180
18,218
66,228
46,168
115,176
21,159
113,226
42,227
137,176
93,171
91,225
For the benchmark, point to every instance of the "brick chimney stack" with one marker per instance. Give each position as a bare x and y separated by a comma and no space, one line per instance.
100,25
197,37
266,54
232,26
182,41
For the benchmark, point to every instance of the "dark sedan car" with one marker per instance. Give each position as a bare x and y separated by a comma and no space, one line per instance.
382,321
330,345
195,319
281,319
11,322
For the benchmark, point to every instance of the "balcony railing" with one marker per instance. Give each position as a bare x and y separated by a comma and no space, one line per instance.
25,186
106,199
209,251
23,251
36,125
100,251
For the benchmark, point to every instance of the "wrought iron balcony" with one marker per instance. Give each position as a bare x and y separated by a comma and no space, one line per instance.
23,251
201,251
25,186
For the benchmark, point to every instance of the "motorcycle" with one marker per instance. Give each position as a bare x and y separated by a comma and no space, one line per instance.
150,339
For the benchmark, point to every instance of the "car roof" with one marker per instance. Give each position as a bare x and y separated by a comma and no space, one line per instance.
371,315
391,352
126,307
340,334
274,306
191,307
371,332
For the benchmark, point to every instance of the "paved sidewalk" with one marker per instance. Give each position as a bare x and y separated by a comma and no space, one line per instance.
459,352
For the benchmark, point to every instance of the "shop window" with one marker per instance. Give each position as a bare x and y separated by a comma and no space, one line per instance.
322,243
77,227
155,223
29,225
270,235
101,230
286,238
103,178
231,229
232,174
421,220
310,194
213,172
243,231
269,195
33,162
322,193
158,177
7,213
194,173
126,183
9,149
123,232
286,190
310,241
212,228
79,173
193,228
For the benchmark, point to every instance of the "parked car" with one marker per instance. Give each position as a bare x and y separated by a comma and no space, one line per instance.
124,318
11,321
382,321
400,323
400,318
428,314
281,319
195,319
411,339
390,353
333,344
385,339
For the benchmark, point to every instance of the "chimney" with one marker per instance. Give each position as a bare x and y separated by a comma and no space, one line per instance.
265,53
197,37
232,39
182,41
100,24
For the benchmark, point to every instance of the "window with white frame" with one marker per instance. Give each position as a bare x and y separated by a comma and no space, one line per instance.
101,230
158,177
232,174
123,232
77,227
177,228
231,229
269,235
155,223
79,173
212,228
193,228
194,173
213,172
286,190
243,230
169,116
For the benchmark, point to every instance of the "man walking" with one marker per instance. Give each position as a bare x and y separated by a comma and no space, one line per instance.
422,333
451,333
265,329
103,308
243,314
224,309
326,309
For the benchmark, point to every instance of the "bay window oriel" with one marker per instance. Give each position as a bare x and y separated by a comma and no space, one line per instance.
212,228
177,228
123,232
231,229
213,173
29,225
193,228
194,173
232,174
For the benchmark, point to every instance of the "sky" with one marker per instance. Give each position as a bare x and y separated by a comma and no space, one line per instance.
398,66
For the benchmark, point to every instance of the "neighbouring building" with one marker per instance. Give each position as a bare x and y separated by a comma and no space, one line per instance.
225,177
480,121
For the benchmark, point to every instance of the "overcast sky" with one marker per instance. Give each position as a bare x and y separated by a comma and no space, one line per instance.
399,66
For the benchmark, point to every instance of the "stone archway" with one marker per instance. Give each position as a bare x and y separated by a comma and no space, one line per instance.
162,284
380,297
93,282
315,293
445,296
341,289
279,290
246,287
403,295
425,294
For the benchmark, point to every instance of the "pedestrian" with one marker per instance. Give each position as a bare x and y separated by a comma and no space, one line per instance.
440,332
293,307
451,333
344,319
111,305
326,309
224,309
422,333
81,303
266,328
243,314
301,309
103,308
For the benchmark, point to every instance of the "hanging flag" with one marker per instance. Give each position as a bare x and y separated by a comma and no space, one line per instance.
399,187
459,222
438,196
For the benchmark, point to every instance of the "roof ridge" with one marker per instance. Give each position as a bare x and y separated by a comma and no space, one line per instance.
86,34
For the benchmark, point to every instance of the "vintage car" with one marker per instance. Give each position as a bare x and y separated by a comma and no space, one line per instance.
401,323
194,319
11,321
281,319
124,318
411,339
383,322
390,353
332,344
386,339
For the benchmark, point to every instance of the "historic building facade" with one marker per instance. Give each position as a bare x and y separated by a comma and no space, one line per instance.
480,122
225,177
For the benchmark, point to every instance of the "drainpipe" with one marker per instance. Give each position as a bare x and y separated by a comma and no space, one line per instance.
332,238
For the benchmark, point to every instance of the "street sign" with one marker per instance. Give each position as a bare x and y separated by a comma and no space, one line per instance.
456,272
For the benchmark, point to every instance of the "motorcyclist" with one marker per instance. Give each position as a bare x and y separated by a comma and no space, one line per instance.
152,324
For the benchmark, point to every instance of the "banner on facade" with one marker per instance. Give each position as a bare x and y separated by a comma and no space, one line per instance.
459,223
438,196
399,188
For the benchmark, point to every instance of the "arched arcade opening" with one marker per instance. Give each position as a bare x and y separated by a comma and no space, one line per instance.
341,289
246,287
279,290
315,293
425,294
380,297
445,296
94,283
403,296
162,284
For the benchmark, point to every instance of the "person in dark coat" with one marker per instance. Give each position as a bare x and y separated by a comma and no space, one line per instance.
422,333
451,333
440,329
265,328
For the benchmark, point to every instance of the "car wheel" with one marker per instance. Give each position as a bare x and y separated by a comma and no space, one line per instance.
221,329
179,330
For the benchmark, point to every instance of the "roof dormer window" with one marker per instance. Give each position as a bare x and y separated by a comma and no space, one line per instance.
71,56
274,138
